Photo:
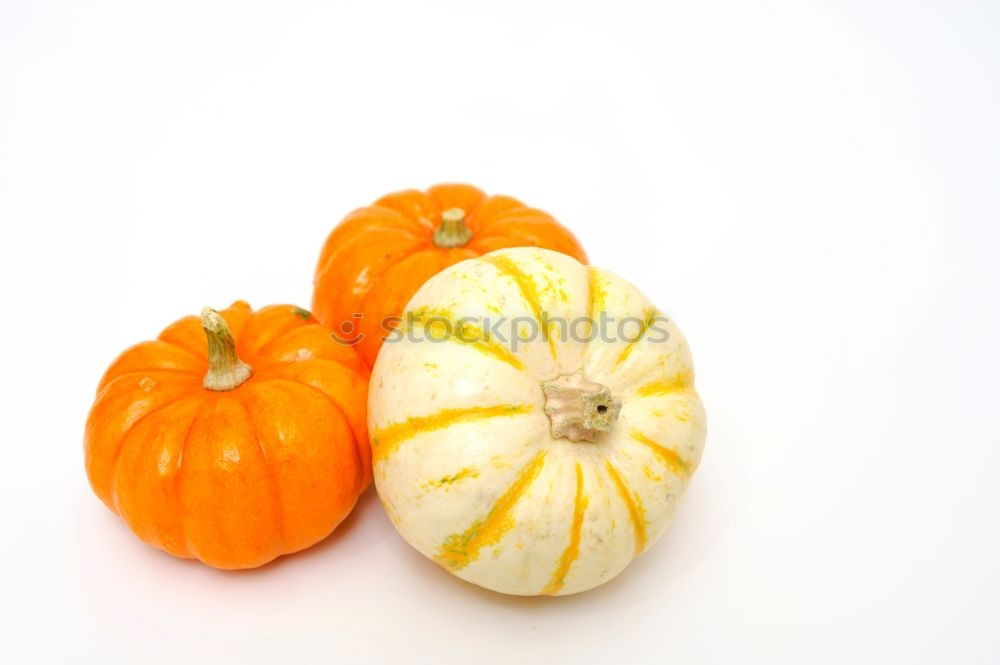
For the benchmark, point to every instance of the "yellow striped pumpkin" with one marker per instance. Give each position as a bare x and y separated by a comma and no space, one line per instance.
533,463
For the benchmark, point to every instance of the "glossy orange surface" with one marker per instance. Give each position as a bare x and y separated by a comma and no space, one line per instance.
377,257
234,478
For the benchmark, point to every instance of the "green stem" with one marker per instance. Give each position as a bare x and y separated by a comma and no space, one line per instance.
453,232
225,369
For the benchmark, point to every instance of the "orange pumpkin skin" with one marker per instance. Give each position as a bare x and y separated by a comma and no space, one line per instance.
378,256
232,477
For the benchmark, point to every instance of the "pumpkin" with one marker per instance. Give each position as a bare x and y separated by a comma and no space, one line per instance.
542,457
232,438
378,256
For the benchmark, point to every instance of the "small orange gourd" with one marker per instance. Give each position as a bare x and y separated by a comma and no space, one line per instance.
378,256
233,438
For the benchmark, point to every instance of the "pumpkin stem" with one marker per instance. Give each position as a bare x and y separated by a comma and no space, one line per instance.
453,232
579,409
225,369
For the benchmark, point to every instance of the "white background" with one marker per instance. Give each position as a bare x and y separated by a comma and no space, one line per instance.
809,189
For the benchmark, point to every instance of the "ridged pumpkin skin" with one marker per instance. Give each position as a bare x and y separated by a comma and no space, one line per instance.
467,460
233,477
377,257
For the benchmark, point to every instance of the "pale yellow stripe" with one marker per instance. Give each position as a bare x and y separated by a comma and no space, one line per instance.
673,461
635,510
528,289
387,439
461,549
471,336
681,382
464,472
598,293
572,550
630,346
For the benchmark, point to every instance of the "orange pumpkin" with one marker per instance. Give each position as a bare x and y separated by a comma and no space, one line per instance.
233,438
378,256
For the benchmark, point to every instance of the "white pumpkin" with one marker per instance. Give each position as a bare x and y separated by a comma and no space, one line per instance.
542,465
